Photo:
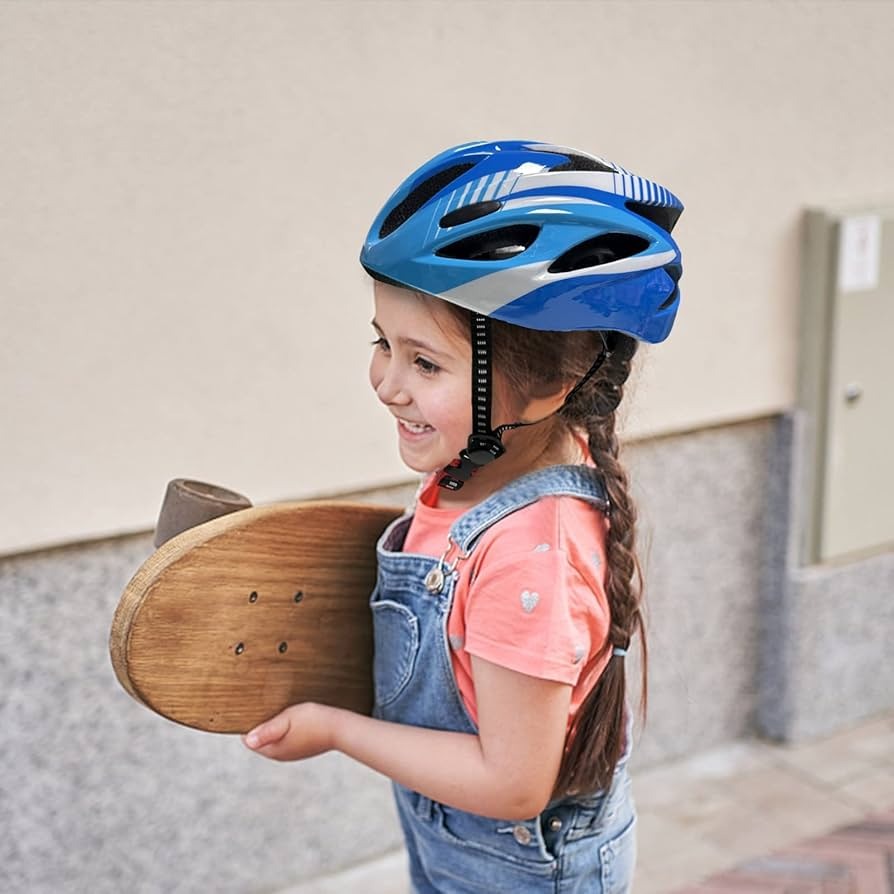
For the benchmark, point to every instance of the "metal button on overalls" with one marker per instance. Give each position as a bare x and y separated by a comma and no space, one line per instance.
522,834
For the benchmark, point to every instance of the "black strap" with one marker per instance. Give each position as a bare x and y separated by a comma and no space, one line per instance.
481,375
485,444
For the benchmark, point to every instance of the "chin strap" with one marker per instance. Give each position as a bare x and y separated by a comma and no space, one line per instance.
485,444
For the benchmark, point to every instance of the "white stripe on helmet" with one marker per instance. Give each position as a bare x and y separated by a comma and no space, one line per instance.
487,293
566,150
630,186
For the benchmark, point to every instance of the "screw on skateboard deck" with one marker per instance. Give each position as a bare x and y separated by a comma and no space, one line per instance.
231,621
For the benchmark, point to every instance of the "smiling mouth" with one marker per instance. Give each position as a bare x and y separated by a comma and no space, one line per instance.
415,428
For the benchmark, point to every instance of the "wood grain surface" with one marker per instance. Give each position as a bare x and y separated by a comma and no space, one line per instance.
231,621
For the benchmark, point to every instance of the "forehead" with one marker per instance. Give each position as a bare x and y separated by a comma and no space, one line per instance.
411,313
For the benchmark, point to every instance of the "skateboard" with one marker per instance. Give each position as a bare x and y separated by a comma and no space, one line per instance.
232,620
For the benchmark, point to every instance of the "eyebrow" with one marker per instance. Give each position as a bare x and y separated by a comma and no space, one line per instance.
412,342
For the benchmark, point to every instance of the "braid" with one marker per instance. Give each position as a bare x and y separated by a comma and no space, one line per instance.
597,737
534,361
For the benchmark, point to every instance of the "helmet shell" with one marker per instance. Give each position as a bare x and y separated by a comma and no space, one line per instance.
542,236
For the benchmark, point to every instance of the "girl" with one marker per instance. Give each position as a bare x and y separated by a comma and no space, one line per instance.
522,274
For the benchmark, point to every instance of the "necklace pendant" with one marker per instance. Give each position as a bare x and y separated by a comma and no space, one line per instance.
434,580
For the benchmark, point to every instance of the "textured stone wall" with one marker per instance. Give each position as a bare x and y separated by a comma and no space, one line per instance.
701,503
826,629
100,795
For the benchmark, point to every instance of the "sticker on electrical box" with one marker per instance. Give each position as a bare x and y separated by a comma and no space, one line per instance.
859,246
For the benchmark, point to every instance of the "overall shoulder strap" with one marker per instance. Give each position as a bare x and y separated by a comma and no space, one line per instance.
572,481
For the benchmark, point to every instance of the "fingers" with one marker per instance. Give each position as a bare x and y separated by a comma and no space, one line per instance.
274,752
267,734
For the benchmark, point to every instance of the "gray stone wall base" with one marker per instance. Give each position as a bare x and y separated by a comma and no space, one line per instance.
99,795
701,504
826,630
842,641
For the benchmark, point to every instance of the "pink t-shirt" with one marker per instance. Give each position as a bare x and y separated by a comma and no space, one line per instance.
531,597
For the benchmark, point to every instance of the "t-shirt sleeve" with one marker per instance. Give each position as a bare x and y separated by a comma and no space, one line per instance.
537,614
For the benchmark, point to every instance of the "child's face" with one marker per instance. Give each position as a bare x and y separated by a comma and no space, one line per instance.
421,371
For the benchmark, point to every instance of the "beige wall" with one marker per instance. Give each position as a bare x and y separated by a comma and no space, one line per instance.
186,185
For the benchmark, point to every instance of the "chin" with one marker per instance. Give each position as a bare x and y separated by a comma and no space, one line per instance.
422,468
422,465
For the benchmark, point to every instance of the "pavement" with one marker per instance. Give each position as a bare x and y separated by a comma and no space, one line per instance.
752,816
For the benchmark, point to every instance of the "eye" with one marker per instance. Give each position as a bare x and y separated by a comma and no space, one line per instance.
381,344
426,366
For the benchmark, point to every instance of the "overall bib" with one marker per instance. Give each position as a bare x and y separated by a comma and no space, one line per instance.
578,844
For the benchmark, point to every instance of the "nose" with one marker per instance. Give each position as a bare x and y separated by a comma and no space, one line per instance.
385,378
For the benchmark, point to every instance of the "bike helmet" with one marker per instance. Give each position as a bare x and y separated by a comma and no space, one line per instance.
541,236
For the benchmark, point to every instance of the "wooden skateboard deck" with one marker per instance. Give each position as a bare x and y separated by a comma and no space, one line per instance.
230,622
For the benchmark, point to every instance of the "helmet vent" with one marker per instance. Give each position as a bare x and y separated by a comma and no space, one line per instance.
583,163
663,216
469,212
668,302
597,251
419,195
494,245
674,271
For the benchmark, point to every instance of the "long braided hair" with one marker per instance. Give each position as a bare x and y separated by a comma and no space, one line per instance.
597,738
532,362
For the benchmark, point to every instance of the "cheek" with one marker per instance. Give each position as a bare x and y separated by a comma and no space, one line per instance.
453,411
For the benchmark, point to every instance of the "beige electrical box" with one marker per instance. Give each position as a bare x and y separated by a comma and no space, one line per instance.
846,381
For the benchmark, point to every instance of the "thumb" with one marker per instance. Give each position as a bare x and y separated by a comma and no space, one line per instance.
267,733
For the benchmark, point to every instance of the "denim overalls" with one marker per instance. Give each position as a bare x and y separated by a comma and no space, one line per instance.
581,844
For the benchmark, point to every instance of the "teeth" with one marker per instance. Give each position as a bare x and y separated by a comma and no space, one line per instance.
414,426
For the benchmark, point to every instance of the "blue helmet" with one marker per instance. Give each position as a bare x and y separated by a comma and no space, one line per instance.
533,234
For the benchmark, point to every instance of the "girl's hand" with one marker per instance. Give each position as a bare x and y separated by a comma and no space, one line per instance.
298,732
506,771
